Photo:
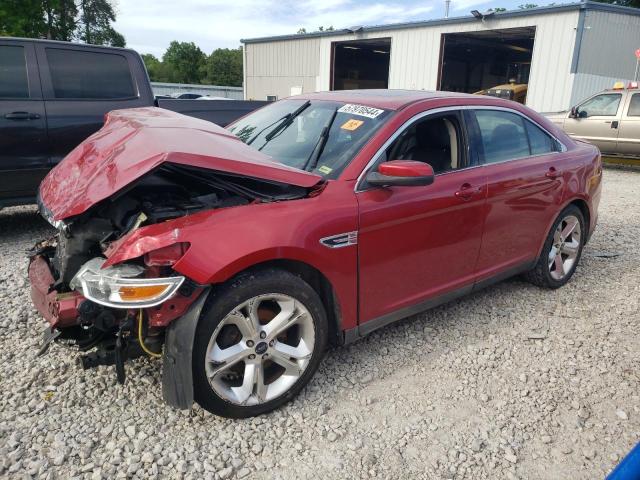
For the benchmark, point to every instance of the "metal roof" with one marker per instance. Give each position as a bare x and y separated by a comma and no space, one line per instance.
586,5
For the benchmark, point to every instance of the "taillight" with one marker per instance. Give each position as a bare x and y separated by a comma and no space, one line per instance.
166,256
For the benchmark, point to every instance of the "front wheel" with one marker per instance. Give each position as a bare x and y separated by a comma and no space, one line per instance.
259,341
561,251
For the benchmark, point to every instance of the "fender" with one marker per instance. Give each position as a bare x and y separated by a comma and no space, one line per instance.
177,371
226,241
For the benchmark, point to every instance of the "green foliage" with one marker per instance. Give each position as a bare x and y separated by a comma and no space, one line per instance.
87,21
527,6
95,23
184,62
224,67
21,18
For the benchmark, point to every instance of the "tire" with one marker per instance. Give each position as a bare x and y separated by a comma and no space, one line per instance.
284,360
547,272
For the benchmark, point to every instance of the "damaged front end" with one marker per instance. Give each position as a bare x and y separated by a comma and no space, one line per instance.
121,311
93,282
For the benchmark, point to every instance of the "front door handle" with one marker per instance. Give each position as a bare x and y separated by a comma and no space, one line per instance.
22,116
467,191
552,173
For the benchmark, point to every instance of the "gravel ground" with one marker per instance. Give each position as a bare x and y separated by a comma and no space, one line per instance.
512,382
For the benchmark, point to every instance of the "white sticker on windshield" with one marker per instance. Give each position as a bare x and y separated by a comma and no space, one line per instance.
361,110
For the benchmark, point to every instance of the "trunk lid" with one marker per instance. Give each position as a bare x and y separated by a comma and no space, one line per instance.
136,141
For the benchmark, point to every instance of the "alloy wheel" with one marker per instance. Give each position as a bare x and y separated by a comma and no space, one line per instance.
260,349
565,247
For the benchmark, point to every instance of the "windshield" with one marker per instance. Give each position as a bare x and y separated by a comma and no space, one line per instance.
318,136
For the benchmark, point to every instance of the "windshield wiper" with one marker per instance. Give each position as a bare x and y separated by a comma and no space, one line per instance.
286,121
312,161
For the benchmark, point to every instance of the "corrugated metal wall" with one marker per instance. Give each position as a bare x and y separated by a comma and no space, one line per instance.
606,53
608,44
585,85
274,67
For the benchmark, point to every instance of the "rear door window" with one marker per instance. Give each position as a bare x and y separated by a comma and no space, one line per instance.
89,75
503,135
14,82
509,136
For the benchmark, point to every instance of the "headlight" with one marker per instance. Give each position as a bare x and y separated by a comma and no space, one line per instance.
118,287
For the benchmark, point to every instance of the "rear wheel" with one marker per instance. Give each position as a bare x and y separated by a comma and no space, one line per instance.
258,342
562,250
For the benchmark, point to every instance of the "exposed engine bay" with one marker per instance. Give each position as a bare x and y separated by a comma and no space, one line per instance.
168,192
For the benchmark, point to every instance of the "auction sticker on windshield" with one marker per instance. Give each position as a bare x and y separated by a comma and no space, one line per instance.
361,110
351,124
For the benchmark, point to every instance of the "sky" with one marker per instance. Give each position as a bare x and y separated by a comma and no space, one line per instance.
150,25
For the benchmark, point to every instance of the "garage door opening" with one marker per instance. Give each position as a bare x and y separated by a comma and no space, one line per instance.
476,61
361,64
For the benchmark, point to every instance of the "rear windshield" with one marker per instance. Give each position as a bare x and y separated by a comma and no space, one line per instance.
317,136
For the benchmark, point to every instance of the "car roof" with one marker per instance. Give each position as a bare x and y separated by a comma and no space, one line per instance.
62,43
386,99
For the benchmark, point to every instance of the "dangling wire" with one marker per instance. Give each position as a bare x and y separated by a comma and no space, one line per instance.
141,341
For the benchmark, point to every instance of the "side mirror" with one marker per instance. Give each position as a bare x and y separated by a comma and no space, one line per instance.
401,173
574,112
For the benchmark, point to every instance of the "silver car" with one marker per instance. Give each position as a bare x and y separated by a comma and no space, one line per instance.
610,120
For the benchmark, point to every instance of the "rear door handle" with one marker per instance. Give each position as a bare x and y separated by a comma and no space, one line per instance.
467,191
22,116
552,173
614,124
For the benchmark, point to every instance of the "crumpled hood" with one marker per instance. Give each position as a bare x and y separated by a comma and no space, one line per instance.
133,142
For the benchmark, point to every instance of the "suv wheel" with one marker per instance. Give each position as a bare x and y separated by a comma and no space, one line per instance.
562,250
259,340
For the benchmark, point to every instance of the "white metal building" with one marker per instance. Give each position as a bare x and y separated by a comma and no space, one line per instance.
564,53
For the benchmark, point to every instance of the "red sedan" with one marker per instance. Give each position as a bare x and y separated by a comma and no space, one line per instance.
237,255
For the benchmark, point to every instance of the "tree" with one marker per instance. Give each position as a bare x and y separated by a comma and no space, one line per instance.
22,18
527,6
224,67
185,61
94,25
88,21
497,9
61,18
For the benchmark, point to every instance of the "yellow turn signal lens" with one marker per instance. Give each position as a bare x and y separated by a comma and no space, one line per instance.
141,293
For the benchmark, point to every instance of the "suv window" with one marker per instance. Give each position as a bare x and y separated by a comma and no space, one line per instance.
436,141
634,106
89,75
13,72
605,105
